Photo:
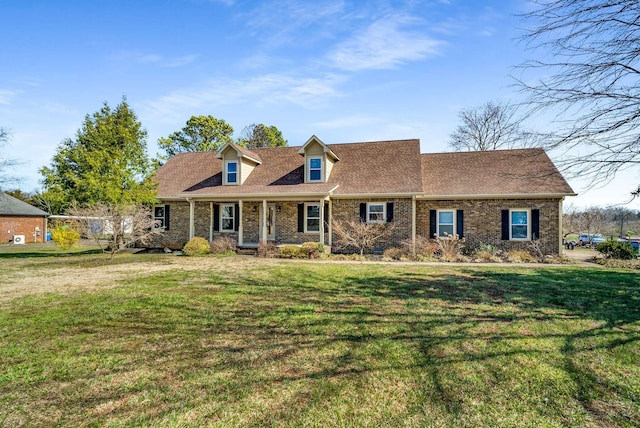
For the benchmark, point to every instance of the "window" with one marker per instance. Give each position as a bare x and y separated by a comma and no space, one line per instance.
446,222
519,225
159,216
231,173
376,213
227,217
315,169
312,218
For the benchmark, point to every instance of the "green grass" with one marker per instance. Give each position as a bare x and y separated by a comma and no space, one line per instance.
249,342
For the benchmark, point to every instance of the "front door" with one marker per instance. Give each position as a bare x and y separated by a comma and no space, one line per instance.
271,221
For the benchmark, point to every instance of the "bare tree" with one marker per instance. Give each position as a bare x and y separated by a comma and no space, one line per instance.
491,126
590,52
571,220
116,227
592,220
6,163
361,235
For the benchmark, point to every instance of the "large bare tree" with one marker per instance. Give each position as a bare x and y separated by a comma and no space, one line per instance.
589,57
491,126
5,162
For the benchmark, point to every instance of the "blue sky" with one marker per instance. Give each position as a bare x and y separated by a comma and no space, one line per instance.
345,71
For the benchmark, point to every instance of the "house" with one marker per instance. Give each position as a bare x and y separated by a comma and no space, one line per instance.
20,222
294,194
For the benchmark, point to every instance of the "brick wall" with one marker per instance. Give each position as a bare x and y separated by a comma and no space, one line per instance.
10,226
483,221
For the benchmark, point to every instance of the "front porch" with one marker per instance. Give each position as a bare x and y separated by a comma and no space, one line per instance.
251,222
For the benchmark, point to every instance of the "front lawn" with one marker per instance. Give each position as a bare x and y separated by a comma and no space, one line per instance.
174,341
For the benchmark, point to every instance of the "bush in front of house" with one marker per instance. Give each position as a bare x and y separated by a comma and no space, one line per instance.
450,247
520,256
617,250
291,252
65,237
311,250
223,245
486,253
267,250
196,246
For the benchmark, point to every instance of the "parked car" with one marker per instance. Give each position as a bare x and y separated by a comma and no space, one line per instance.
590,240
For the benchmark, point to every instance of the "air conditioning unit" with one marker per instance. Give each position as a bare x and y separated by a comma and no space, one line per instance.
18,239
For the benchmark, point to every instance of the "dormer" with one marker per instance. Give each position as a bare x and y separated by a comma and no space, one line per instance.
318,160
237,163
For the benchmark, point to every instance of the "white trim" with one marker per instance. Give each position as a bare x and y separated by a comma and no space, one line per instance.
240,226
222,217
528,211
315,204
446,210
226,173
495,196
384,212
308,169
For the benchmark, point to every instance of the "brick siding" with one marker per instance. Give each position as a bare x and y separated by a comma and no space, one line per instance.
10,226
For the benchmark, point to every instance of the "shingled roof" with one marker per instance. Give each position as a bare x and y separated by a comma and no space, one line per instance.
10,206
372,168
385,167
492,173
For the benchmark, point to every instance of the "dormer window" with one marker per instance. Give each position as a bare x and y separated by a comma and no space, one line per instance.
231,172
315,169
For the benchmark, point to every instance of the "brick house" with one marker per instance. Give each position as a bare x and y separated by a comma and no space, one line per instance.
21,221
291,195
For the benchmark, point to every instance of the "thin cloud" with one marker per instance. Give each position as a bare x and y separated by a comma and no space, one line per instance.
384,44
345,122
153,58
6,96
258,91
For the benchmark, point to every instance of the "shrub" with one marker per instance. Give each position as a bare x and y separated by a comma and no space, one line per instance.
311,250
520,256
291,252
196,246
617,250
223,245
395,253
65,237
267,250
486,256
450,247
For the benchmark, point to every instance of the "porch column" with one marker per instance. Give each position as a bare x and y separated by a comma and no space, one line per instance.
330,222
263,226
413,224
240,227
192,213
322,221
211,221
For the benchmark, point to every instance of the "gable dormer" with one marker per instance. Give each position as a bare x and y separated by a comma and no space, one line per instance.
237,163
318,160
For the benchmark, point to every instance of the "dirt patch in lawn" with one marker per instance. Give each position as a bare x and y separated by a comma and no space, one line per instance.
69,279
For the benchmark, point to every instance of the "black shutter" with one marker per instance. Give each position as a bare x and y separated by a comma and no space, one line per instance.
432,224
236,217
535,224
389,212
460,223
166,217
363,212
216,217
505,225
301,218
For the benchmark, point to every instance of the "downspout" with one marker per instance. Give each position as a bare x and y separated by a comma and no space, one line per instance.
560,214
413,224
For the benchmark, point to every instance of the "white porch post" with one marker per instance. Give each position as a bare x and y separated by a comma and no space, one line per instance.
263,226
211,221
192,213
240,227
413,223
322,221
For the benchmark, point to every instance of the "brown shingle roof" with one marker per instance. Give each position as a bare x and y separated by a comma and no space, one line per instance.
379,167
500,172
385,167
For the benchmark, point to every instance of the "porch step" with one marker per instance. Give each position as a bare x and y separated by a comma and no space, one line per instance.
246,251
